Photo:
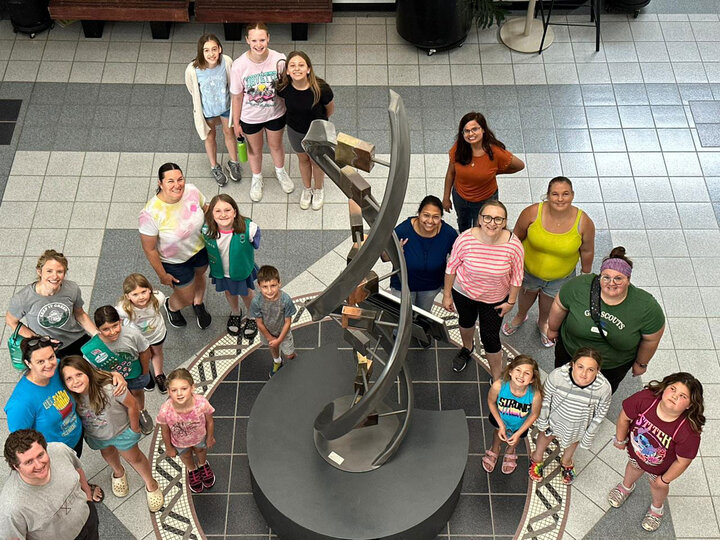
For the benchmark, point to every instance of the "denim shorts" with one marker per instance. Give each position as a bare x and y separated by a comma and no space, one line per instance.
122,441
201,444
139,382
185,272
548,288
226,114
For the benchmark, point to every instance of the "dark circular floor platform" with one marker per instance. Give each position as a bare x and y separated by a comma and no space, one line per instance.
303,497
490,506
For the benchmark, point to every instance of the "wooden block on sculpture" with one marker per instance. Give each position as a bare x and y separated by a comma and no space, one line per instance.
353,151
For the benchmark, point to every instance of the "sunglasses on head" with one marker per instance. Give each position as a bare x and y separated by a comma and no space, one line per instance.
38,342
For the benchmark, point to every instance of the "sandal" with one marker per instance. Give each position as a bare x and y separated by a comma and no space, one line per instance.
489,460
509,463
155,499
568,474
509,328
546,341
120,487
94,489
535,471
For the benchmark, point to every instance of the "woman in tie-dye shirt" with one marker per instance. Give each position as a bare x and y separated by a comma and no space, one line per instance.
170,234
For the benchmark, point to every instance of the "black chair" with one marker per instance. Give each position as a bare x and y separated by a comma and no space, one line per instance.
595,7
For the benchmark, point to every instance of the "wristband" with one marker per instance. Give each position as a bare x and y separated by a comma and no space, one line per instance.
509,302
663,480
644,366
615,440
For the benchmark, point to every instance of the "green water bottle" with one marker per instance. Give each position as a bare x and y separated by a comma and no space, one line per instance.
242,149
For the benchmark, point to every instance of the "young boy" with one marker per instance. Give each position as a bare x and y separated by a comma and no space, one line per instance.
273,310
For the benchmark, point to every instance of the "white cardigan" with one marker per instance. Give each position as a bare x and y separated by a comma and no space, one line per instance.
191,81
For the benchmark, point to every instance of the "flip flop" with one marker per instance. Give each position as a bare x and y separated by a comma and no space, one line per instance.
546,341
489,460
509,463
101,495
509,328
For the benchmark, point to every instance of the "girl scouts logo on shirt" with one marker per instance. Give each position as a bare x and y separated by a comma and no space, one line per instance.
53,315
122,362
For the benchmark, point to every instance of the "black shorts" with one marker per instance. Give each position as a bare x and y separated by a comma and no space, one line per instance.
276,124
185,272
493,422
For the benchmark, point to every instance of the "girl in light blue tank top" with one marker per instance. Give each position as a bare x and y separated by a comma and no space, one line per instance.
514,403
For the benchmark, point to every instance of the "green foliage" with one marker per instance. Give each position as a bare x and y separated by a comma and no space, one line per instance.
485,13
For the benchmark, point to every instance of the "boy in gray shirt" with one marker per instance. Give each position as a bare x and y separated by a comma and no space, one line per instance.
273,310
46,495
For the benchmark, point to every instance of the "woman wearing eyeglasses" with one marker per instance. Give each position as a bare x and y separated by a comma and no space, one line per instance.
39,400
52,305
625,325
555,235
476,158
427,241
482,281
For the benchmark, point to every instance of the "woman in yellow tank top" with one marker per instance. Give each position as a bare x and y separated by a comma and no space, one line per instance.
555,235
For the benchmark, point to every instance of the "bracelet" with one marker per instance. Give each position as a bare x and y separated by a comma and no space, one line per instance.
509,302
615,440
663,480
644,366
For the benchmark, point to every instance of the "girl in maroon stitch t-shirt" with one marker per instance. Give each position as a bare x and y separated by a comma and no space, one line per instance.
660,428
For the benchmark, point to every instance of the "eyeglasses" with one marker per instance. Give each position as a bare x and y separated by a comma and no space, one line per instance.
497,219
470,131
617,280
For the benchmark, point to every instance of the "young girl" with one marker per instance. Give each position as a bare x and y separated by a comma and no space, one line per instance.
307,98
662,424
122,349
257,109
207,79
111,424
231,240
577,397
188,429
139,307
514,403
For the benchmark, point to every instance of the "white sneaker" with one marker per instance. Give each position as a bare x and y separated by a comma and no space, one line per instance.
285,182
256,188
317,198
305,198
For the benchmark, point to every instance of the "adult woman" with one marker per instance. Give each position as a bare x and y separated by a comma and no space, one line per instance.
555,235
476,158
40,401
427,241
482,280
660,428
170,226
625,325
52,305
256,108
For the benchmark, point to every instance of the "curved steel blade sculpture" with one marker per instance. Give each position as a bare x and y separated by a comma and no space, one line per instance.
338,430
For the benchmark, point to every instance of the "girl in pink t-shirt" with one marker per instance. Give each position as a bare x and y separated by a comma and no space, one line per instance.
256,107
188,429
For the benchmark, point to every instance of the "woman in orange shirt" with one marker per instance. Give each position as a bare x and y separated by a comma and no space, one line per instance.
475,160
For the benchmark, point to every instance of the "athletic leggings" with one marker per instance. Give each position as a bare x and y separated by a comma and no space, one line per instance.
469,311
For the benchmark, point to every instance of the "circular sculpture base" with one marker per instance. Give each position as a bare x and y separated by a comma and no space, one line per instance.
512,34
301,496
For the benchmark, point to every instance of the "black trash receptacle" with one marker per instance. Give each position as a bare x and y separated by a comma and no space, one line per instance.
29,16
432,25
632,6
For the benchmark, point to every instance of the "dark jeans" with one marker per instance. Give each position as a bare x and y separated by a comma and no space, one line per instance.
613,375
90,530
467,212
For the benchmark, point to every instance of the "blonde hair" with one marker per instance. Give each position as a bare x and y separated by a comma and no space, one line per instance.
181,374
132,282
51,255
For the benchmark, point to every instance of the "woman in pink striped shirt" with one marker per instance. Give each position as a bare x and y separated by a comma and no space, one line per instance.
482,281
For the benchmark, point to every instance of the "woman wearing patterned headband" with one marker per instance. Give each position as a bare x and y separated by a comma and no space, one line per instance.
625,326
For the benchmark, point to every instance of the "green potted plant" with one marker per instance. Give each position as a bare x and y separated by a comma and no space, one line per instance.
435,25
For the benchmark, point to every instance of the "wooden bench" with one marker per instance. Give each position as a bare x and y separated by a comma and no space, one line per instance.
93,13
232,13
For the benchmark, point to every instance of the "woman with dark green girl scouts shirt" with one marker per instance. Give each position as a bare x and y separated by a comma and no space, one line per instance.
231,240
124,350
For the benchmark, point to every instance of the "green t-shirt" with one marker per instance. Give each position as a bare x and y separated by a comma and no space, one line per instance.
624,324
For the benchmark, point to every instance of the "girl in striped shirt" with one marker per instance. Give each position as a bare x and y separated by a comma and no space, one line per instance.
577,398
482,280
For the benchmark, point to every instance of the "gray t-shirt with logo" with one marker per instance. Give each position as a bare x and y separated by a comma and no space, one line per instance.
272,313
56,510
50,315
111,421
